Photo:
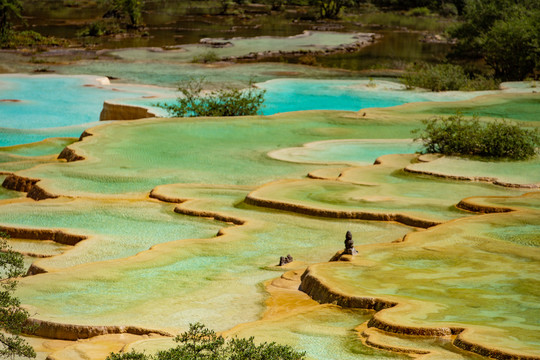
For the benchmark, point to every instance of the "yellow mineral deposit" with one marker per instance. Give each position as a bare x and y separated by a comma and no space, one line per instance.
143,227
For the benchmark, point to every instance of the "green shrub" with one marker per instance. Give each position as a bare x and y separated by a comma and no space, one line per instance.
456,135
133,355
480,82
371,83
200,343
207,57
448,10
307,59
221,102
128,12
101,28
13,317
31,39
419,11
505,34
445,77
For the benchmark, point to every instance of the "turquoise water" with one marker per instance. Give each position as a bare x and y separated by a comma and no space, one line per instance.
284,95
54,106
63,106
355,152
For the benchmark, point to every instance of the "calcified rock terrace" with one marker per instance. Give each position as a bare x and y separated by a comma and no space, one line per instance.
172,221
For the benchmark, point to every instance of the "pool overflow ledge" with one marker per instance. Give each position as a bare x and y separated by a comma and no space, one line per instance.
323,293
251,199
28,185
486,179
54,330
58,236
70,155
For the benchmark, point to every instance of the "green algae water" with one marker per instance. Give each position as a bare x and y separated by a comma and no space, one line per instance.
116,229
146,265
235,152
468,293
516,172
209,280
354,152
380,190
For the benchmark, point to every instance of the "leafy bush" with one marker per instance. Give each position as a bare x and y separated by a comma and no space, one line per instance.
128,12
445,77
307,59
419,11
222,102
31,39
480,82
511,47
506,34
456,135
9,10
330,9
207,57
448,9
101,28
12,316
200,343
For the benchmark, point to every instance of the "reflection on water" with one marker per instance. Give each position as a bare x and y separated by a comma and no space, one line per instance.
170,23
393,50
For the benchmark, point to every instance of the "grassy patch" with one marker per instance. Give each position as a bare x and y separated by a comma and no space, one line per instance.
399,20
31,39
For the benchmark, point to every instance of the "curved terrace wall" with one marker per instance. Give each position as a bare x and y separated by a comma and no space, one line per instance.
53,330
251,199
324,293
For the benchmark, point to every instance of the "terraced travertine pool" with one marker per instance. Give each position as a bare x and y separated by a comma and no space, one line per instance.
34,108
184,220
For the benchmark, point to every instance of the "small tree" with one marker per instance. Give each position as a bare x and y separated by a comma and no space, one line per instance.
222,102
225,5
201,343
276,5
9,10
13,318
505,33
330,9
512,47
128,11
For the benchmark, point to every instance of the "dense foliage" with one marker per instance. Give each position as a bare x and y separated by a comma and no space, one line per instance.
31,39
201,343
126,11
505,33
9,10
456,135
12,317
222,102
330,9
445,77
101,28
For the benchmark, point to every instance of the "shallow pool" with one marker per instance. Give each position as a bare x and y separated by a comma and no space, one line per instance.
284,95
33,108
